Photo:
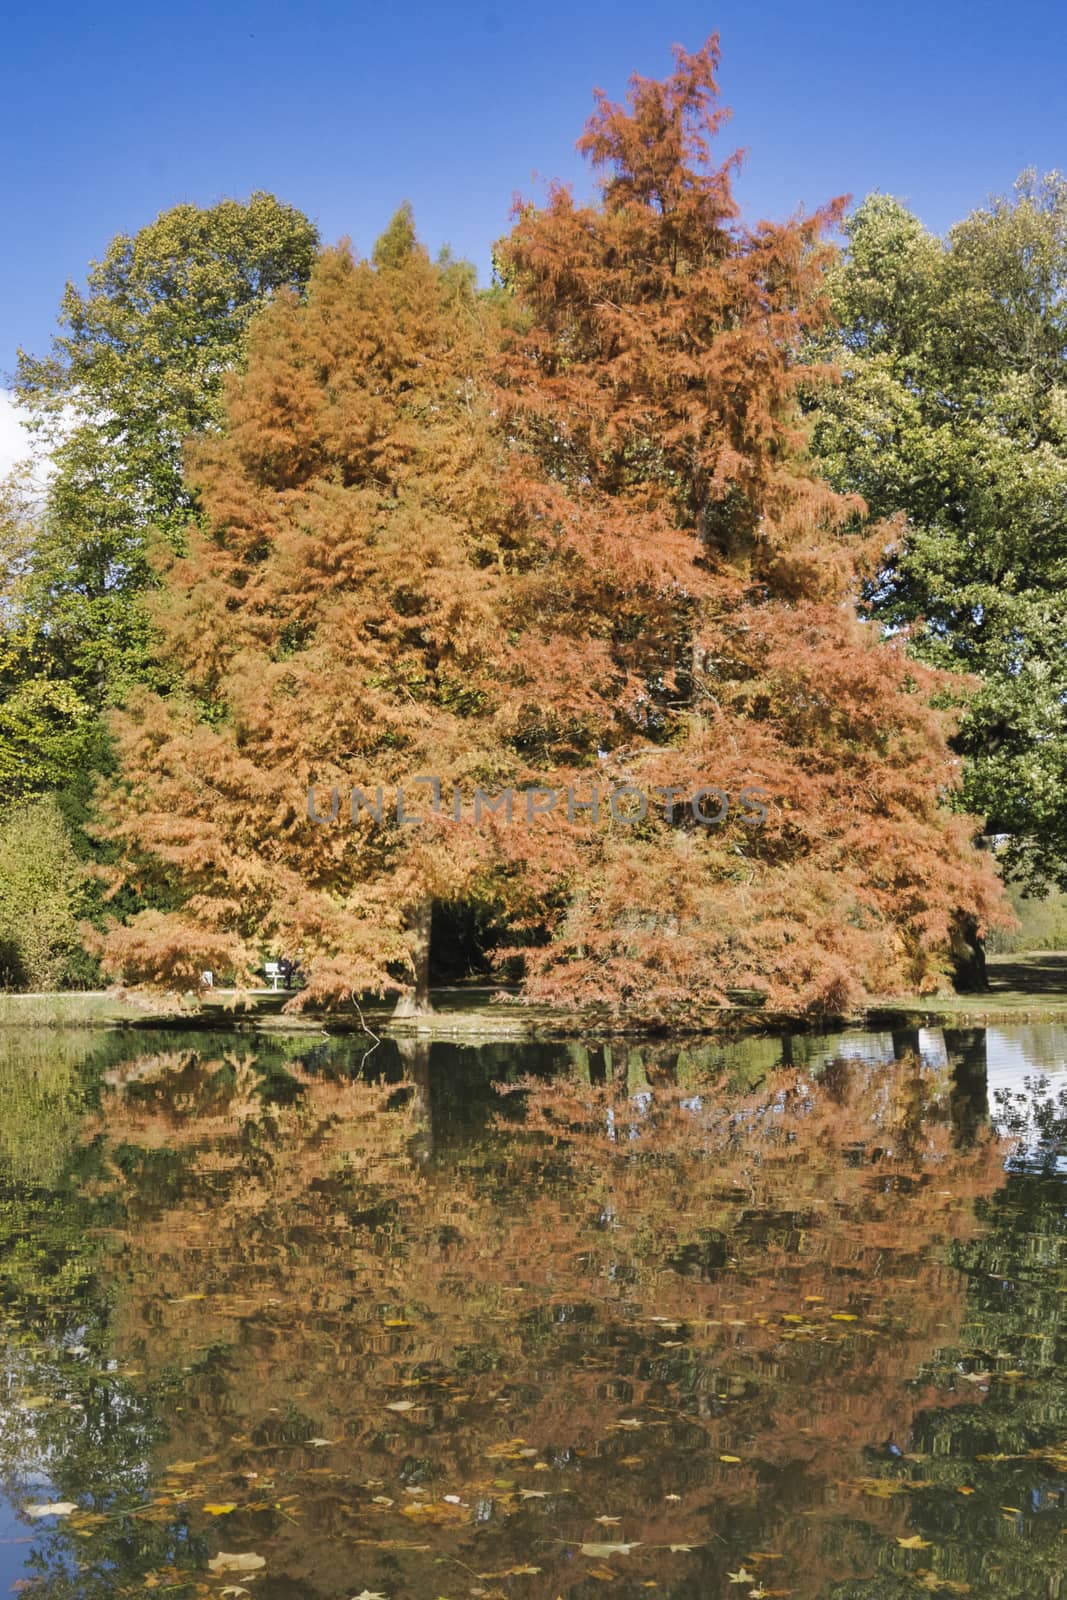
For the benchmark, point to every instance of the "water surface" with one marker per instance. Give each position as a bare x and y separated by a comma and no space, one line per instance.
779,1318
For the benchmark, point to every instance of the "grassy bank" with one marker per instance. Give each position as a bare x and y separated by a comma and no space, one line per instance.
1023,988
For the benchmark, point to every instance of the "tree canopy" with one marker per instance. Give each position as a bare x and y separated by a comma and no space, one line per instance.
952,410
136,370
568,535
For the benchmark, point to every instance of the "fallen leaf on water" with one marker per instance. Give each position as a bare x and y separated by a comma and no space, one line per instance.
627,1422
367,1594
842,1316
383,1500
733,1460
221,1510
533,1494
741,1576
322,1442
182,1466
247,1562
883,1488
401,1405
507,1572
608,1522
916,1542
437,1512
57,1508
601,1550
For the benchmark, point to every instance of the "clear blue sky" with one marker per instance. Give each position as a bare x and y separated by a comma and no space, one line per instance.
113,112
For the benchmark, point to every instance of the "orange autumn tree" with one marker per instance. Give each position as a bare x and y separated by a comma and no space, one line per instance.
651,404
333,627
572,540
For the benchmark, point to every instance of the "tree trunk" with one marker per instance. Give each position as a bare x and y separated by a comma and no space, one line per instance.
415,1054
415,1002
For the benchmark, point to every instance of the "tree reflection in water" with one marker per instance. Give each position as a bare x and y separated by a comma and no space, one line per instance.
431,1321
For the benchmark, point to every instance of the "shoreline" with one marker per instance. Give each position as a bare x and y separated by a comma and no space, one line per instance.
1028,989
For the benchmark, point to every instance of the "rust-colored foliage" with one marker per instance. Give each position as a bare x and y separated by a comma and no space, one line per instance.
335,625
692,1310
652,395
573,541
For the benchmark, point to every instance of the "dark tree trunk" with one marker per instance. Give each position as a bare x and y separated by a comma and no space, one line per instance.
970,1081
415,1054
969,975
415,1002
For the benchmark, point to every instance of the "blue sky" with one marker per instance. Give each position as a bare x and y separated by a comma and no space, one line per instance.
115,112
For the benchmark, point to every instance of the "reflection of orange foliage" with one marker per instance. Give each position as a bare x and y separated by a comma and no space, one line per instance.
592,1309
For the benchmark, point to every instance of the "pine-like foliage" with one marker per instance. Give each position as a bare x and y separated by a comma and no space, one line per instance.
651,401
573,538
335,625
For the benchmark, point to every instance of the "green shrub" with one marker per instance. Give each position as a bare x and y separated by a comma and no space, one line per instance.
41,886
1044,924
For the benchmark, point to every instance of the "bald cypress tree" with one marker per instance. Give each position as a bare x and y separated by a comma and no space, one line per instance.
651,400
333,627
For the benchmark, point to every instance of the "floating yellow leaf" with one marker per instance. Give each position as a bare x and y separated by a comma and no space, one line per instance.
916,1542
247,1562
601,1550
221,1510
55,1508
733,1460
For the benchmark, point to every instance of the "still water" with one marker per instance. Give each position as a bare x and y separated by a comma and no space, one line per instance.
285,1319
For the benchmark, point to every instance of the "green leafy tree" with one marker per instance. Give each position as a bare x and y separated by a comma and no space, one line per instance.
137,368
953,410
40,896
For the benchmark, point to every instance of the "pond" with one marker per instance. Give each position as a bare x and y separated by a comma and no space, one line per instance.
302,1320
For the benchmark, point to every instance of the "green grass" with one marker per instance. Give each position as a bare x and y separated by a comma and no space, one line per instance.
1026,987
1030,987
